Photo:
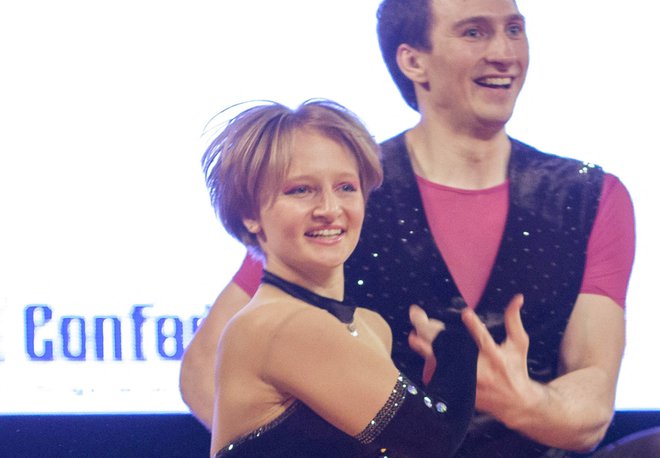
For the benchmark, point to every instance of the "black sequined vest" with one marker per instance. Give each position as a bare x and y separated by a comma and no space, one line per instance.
552,207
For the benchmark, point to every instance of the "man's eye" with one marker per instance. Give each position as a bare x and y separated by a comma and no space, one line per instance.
516,30
472,33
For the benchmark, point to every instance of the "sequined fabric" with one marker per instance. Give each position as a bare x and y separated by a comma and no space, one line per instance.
225,451
416,422
389,410
552,207
298,432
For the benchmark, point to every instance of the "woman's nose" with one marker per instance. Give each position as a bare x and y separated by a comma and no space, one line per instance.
328,206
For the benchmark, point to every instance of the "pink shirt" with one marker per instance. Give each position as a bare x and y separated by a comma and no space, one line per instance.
467,227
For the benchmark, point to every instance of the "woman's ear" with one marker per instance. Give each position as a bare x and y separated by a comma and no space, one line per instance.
412,63
252,225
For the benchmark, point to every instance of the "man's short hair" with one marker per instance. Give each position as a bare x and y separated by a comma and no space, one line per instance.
404,21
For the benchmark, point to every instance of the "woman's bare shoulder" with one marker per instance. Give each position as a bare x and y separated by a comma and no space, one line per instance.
377,324
259,320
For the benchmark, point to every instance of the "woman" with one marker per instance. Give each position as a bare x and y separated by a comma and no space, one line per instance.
299,372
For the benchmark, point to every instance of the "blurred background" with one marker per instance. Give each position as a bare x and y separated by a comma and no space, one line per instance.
109,250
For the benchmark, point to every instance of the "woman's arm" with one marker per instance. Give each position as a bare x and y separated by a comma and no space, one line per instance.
357,388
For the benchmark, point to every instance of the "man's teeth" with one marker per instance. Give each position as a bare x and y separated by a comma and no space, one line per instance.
325,233
496,82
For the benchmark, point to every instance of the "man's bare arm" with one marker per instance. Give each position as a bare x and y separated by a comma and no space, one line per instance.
574,410
196,379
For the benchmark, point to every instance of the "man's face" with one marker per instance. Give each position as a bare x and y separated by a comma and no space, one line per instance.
477,63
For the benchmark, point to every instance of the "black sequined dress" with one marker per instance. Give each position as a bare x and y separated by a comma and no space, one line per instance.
413,423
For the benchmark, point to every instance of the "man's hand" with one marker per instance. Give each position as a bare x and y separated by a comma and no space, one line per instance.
572,411
502,377
422,336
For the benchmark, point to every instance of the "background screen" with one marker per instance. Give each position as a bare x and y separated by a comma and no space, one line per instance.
109,250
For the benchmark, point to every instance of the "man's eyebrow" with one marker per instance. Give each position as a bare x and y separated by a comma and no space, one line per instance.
482,19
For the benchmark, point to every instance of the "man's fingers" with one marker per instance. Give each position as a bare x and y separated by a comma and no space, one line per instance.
515,331
424,327
419,345
477,329
423,348
417,315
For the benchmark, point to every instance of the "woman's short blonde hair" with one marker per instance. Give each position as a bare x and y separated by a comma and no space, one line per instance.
247,162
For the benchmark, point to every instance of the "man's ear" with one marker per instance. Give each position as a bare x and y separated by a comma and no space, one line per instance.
412,63
252,225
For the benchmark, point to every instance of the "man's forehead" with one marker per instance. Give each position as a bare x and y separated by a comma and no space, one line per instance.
460,9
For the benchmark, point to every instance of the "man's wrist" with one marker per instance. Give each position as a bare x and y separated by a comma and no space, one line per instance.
529,407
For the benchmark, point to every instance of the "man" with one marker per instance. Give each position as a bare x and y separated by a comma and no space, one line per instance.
470,216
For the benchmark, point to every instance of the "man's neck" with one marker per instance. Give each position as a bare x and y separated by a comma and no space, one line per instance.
459,159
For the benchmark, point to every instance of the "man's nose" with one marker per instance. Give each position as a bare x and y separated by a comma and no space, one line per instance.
501,50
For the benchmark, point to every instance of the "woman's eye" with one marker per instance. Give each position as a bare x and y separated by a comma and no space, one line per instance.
348,187
296,190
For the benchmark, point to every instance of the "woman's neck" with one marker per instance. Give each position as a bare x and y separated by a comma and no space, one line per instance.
327,283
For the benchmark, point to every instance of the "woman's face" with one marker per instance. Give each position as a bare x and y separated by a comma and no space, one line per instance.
314,220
